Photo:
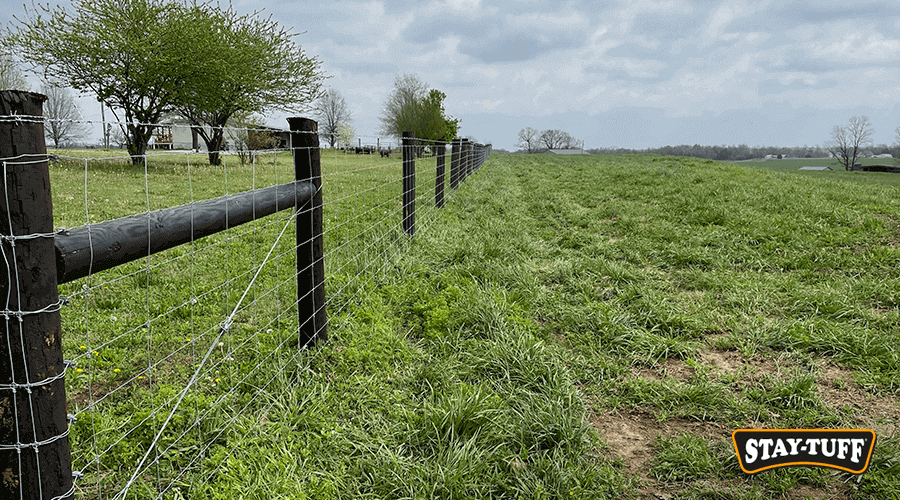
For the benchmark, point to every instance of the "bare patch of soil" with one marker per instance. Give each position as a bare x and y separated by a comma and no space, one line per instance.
671,368
631,434
839,389
733,363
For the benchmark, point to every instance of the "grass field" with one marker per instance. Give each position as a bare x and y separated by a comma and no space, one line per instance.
837,170
567,327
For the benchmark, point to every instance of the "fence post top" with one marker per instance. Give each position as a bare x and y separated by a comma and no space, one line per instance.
301,124
13,102
21,95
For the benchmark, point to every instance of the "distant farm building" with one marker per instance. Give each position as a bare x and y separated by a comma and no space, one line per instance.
885,155
775,157
567,151
815,168
179,134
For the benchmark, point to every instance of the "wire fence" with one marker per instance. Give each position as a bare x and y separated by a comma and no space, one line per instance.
168,362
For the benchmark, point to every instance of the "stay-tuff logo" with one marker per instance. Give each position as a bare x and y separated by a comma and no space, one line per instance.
844,449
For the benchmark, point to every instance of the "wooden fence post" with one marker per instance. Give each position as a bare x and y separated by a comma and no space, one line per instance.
310,245
454,163
409,183
439,149
465,159
35,461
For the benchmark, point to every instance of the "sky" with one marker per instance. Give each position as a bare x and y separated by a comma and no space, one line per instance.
633,74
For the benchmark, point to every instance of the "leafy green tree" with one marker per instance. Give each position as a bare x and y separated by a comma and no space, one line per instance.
120,50
145,58
434,122
239,64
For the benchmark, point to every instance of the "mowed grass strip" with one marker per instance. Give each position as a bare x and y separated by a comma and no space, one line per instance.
587,328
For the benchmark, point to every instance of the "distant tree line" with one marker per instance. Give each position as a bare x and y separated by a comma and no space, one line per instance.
743,151
532,141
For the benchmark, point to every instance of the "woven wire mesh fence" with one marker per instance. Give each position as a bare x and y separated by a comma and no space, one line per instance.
171,360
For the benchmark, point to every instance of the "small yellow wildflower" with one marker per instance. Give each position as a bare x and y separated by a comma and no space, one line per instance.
79,370
116,370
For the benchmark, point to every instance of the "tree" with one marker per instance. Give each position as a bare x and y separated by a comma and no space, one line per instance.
567,141
332,111
238,63
345,135
847,142
895,150
434,124
248,133
412,106
121,50
554,139
401,109
144,58
528,140
63,116
11,77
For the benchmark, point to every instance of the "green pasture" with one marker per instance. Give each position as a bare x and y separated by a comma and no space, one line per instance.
556,313
837,170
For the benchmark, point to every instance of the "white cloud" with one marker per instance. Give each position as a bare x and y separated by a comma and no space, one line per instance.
568,21
489,105
858,46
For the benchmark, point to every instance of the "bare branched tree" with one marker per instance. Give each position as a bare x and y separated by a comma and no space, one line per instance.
332,111
401,111
528,140
64,118
847,142
11,77
895,151
568,142
553,139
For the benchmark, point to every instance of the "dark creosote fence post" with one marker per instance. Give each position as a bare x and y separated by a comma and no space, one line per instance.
464,160
409,183
454,163
439,149
35,462
310,250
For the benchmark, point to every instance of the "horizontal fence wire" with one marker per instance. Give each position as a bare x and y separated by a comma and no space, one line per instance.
175,360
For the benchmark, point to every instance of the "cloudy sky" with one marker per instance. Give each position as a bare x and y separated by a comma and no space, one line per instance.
612,73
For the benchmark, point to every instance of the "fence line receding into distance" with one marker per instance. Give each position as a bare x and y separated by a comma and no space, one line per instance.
165,328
